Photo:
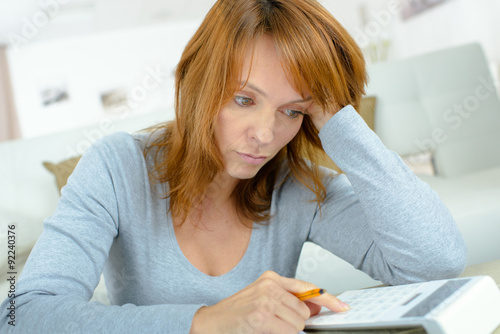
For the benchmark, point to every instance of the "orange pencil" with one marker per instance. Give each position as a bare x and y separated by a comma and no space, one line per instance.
309,294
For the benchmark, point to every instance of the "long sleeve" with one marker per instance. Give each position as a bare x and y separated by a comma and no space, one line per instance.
66,263
379,216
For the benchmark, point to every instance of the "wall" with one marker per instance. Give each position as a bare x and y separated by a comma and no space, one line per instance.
384,35
138,63
452,23
89,47
73,51
46,19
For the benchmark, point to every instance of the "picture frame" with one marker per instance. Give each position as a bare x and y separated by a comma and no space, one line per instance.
411,8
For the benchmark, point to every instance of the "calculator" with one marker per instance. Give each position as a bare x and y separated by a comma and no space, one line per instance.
460,305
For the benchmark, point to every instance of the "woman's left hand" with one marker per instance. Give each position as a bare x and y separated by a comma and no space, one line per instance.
319,116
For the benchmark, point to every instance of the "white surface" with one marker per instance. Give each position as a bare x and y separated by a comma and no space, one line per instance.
330,272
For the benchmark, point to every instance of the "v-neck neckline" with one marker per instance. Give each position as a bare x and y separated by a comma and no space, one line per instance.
183,260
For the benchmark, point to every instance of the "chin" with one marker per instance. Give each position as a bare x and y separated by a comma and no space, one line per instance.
243,174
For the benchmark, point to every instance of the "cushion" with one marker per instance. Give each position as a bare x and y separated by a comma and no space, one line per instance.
421,163
367,110
62,170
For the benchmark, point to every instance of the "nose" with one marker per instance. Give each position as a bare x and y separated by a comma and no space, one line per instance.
264,126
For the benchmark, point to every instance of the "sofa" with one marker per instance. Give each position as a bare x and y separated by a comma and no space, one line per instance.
444,107
28,189
446,103
403,118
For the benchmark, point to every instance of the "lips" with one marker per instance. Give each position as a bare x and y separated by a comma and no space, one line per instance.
252,159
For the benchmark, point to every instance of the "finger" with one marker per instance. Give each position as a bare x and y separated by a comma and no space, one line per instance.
291,317
278,326
294,285
327,300
274,294
313,308
291,285
331,302
299,307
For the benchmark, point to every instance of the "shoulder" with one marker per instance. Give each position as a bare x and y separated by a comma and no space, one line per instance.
122,142
114,163
120,154
120,146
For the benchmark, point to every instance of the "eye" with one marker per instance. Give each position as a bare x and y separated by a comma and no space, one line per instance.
243,101
291,113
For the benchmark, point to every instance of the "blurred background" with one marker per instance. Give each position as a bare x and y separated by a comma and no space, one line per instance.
70,63
72,71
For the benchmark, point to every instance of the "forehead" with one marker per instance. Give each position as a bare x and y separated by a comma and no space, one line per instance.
261,62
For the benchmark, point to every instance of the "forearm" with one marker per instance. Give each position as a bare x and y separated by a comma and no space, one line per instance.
38,313
409,233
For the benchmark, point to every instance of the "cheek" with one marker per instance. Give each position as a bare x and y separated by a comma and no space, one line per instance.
289,132
221,128
228,130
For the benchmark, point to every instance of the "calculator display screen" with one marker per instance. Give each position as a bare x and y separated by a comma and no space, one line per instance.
436,298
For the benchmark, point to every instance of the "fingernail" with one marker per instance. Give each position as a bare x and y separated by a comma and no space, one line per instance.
344,306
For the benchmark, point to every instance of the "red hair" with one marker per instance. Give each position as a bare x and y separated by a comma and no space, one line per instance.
322,60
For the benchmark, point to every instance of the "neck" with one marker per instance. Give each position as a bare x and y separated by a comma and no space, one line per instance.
219,192
217,206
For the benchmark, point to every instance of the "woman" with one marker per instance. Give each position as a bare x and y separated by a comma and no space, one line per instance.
198,227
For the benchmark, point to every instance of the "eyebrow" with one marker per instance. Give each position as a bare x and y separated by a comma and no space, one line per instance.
261,92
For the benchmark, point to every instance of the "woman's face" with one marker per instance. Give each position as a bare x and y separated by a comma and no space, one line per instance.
262,117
